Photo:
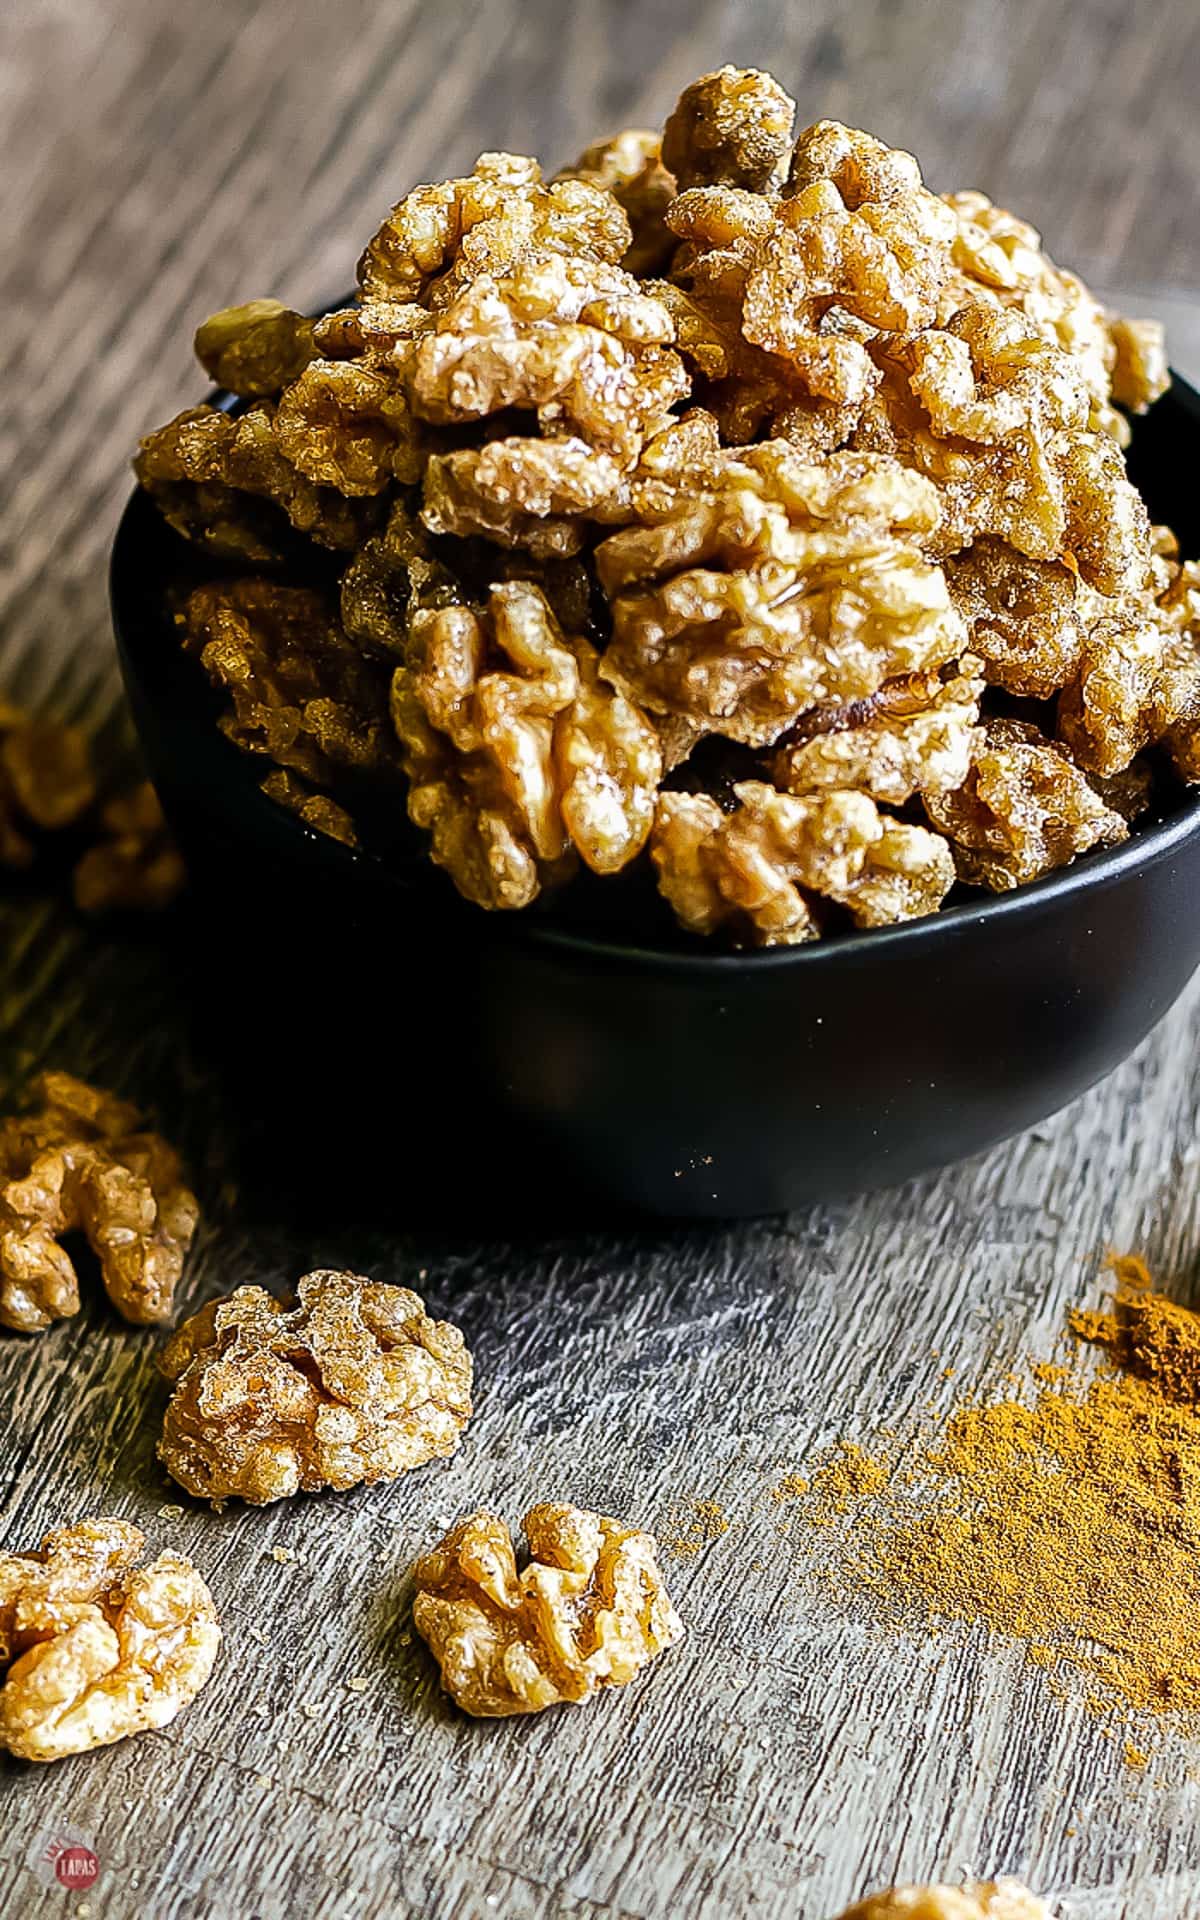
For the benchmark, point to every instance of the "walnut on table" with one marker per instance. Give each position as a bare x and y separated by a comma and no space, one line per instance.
519,756
46,781
588,1610
352,1385
92,1646
135,866
78,1160
976,1900
754,871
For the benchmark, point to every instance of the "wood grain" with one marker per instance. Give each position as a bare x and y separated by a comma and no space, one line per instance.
158,161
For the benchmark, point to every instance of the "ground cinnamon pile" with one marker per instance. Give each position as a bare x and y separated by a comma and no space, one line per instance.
1071,1521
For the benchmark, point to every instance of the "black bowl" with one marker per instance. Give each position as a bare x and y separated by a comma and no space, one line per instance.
523,1058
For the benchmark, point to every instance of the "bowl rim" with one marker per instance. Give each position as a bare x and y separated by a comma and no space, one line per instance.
1086,872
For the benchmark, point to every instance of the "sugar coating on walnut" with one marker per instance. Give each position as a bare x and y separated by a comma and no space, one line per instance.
757,872
351,1385
315,810
629,165
77,1160
588,1610
519,756
974,1900
255,349
1024,809
93,1647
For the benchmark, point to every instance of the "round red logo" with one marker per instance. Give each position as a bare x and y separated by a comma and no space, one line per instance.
76,1867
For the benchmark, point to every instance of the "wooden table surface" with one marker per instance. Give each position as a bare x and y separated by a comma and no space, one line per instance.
159,161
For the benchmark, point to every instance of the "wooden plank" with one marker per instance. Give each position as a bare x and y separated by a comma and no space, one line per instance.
157,163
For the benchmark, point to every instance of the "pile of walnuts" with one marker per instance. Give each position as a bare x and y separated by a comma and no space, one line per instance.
731,496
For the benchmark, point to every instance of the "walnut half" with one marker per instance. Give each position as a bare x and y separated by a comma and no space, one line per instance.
589,1610
976,1900
352,1385
94,1647
76,1161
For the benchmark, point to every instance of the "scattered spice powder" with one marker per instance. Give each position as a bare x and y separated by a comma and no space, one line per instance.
1071,1524
830,1492
691,1526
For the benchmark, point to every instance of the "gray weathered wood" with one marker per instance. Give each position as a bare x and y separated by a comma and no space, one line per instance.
159,161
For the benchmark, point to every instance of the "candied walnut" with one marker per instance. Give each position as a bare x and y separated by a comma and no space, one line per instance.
997,418
582,347
857,242
346,426
1021,616
222,481
916,735
1140,372
779,585
1024,809
999,261
94,1647
441,236
518,754
749,872
79,1161
730,128
316,810
589,1610
135,867
976,1900
630,167
46,781
1138,677
301,693
255,349
352,1385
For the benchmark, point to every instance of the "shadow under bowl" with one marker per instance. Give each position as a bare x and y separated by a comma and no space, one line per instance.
480,1063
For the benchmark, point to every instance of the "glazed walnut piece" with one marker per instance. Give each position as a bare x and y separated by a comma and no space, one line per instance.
1024,809
754,872
135,866
77,1160
255,349
300,692
92,1646
46,781
441,236
975,1900
352,1385
588,1610
519,755
576,344
630,167
774,585
730,128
